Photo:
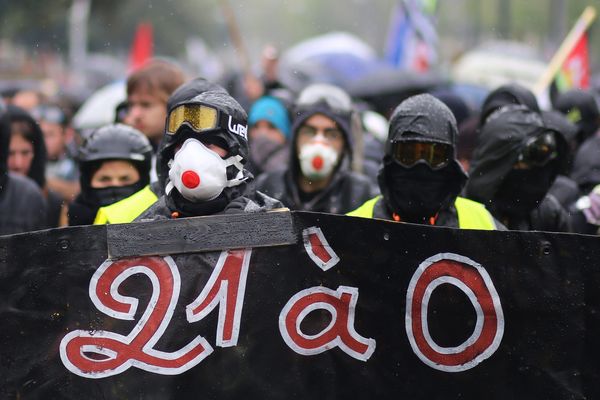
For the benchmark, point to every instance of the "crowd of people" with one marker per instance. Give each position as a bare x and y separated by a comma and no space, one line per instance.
182,148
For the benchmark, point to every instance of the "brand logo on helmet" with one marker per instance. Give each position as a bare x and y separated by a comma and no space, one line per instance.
239,129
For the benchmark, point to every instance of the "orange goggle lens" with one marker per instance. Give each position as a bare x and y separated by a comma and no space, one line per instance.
436,155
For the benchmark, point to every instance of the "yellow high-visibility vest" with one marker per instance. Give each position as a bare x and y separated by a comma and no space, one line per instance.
126,210
471,215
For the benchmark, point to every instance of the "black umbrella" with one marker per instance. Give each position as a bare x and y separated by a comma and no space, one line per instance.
385,88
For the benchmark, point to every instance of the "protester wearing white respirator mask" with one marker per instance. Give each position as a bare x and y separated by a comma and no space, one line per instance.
202,159
318,177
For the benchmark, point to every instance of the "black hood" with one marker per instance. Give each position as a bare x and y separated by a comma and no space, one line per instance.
510,94
37,171
500,141
237,145
586,167
424,118
191,89
219,99
581,108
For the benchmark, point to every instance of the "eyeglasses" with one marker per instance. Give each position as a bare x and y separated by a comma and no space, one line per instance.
539,150
201,117
335,98
409,153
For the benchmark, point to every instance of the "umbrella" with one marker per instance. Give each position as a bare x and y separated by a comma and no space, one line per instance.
337,58
99,108
386,87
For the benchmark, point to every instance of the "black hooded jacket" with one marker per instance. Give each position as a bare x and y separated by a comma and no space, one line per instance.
346,191
240,198
427,119
564,189
586,165
500,143
581,108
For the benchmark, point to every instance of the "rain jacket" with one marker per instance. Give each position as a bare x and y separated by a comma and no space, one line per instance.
564,189
498,151
346,191
239,198
427,119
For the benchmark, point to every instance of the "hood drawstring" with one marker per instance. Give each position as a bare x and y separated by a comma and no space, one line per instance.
432,220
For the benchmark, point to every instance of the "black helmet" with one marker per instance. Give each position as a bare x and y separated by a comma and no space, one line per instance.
220,119
115,142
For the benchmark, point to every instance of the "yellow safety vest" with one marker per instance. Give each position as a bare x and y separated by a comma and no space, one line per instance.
126,210
471,215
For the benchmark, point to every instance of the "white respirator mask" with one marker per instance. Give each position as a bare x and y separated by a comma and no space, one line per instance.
317,160
200,174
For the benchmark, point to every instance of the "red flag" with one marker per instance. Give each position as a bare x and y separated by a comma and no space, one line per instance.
575,71
142,48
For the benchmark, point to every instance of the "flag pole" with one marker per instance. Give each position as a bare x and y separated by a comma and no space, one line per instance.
580,27
236,37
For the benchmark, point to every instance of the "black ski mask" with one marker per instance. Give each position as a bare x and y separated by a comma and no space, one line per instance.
418,193
522,190
109,195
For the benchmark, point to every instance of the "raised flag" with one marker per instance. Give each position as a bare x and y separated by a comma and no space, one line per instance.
412,37
142,48
575,72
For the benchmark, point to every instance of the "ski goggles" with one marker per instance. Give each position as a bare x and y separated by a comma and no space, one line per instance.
201,117
409,153
48,113
539,150
333,97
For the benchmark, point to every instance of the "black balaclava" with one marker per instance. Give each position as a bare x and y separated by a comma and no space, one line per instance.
111,142
417,193
234,143
102,197
581,108
493,180
37,170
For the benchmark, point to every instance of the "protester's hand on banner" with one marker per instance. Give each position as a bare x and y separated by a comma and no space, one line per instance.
590,206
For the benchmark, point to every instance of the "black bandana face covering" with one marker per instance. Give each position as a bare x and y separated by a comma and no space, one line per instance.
522,190
418,193
109,195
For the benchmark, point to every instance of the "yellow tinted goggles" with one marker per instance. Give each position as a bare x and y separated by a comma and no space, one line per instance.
198,117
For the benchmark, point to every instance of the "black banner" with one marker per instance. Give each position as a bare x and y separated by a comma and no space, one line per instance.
298,306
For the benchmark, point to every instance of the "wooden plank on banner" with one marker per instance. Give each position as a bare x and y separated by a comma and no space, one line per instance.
199,234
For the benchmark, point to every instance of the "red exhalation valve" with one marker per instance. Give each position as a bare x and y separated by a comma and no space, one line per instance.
190,179
317,162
